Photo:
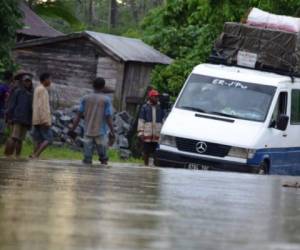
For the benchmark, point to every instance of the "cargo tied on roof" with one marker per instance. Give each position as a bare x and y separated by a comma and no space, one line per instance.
261,45
268,20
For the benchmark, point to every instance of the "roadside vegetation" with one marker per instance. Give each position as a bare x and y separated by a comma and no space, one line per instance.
66,153
186,31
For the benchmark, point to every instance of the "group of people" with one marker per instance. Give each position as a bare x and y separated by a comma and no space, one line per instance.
24,108
21,108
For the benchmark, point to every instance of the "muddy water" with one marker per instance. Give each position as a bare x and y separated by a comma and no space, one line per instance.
68,206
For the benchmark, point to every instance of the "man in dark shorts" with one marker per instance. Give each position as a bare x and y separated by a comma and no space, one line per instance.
19,115
149,124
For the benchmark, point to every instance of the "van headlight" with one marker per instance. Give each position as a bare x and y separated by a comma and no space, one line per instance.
167,140
243,153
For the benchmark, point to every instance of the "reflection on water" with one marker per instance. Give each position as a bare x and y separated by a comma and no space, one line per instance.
48,206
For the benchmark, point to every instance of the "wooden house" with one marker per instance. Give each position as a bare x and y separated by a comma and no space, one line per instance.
75,60
34,26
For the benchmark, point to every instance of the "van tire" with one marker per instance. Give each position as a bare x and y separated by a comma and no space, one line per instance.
156,162
263,168
159,163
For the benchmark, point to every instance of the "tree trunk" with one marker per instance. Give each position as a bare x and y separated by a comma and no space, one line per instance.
89,11
30,3
134,11
114,13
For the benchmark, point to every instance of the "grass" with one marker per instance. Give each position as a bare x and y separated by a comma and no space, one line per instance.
65,153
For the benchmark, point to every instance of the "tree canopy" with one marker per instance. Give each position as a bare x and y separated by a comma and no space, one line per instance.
186,30
9,23
112,16
183,29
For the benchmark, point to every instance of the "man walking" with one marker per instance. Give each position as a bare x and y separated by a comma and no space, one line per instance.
149,124
19,114
41,119
96,109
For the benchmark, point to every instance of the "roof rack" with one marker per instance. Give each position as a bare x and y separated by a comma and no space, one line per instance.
258,48
220,60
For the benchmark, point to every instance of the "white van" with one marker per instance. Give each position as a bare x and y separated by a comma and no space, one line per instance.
237,119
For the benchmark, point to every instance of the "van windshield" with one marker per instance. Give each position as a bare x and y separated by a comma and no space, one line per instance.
226,97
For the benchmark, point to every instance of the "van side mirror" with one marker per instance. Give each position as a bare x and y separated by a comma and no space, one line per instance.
282,122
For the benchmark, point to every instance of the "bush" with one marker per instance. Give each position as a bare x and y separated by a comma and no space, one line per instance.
9,22
186,29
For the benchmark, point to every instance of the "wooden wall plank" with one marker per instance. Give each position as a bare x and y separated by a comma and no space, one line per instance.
72,63
137,79
112,71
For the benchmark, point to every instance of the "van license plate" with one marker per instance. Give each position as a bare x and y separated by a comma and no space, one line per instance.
195,166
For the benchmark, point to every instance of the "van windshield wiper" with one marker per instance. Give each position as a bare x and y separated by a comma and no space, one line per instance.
193,109
223,114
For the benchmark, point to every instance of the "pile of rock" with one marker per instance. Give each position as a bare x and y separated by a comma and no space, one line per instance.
63,119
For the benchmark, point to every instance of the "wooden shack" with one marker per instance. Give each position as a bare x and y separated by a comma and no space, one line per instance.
34,26
75,60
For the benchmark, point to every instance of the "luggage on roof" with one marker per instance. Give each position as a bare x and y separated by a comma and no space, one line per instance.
270,49
263,19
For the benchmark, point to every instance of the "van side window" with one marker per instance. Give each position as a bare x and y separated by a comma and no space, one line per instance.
295,109
280,108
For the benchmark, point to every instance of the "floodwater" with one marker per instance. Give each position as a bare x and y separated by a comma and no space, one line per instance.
60,205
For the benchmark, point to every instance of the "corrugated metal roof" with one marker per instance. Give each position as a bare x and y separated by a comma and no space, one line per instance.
129,49
119,47
34,25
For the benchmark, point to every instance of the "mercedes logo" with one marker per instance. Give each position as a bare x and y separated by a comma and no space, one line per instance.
201,147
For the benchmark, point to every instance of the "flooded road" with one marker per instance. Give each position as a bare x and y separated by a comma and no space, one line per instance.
58,205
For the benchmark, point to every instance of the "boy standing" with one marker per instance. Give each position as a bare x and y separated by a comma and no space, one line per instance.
41,119
96,109
149,124
19,114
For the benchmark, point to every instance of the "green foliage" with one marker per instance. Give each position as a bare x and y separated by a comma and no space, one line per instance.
65,153
60,14
186,29
9,23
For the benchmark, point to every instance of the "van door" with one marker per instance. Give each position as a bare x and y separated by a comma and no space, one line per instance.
279,140
293,152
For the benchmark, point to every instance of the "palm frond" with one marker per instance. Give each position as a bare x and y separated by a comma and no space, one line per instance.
59,9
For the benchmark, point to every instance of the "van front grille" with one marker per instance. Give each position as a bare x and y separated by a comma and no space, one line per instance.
213,149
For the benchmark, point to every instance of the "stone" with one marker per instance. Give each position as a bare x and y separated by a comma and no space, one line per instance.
54,119
69,141
58,113
123,142
125,116
65,130
79,142
75,108
63,137
56,131
118,123
65,119
126,128
125,154
79,131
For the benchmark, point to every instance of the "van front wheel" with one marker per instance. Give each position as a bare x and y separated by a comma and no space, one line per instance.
263,168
